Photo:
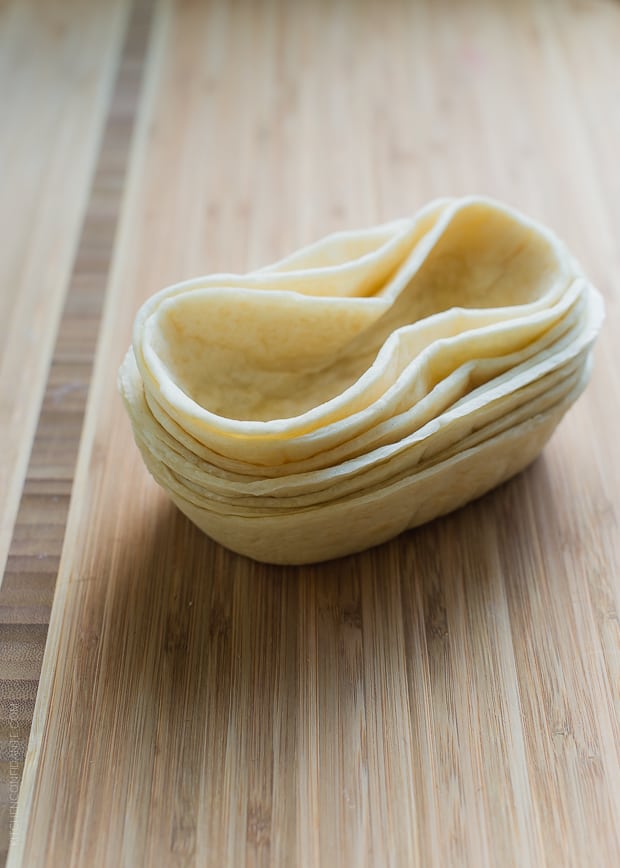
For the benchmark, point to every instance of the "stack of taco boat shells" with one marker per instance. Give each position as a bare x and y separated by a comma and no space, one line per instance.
364,385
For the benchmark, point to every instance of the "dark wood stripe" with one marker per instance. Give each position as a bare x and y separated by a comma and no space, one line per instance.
30,576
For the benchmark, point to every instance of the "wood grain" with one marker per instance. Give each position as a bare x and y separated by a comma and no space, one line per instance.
450,698
55,80
37,532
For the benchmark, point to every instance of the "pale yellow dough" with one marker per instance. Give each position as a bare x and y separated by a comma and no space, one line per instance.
363,385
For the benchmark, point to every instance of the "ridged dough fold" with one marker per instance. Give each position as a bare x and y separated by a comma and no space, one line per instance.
363,385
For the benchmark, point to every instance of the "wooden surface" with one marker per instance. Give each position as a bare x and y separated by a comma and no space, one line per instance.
448,699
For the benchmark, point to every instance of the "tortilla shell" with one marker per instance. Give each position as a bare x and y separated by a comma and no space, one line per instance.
363,385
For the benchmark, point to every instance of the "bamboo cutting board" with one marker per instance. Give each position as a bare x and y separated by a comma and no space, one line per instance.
448,699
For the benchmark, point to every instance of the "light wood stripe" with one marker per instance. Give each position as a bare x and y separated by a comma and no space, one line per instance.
48,145
27,590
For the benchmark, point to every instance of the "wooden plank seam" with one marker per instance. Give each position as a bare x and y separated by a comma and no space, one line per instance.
36,544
